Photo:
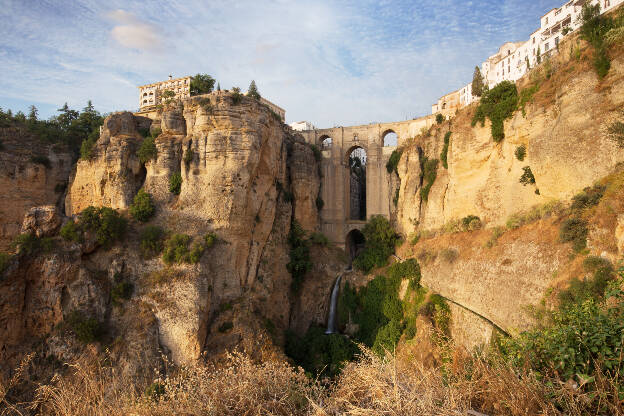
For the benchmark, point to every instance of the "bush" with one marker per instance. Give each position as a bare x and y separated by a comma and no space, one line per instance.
142,208
175,183
381,240
409,269
188,157
5,259
201,84
196,252
26,243
616,132
237,97
444,153
147,151
176,249
105,222
319,239
497,104
299,264
449,255
574,230
520,152
590,197
429,174
526,95
393,162
317,153
71,232
120,292
210,239
41,160
86,329
594,30
439,118
86,148
226,326
152,240
527,177
471,223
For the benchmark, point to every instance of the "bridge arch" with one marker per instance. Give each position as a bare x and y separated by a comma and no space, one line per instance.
357,181
354,243
325,142
389,138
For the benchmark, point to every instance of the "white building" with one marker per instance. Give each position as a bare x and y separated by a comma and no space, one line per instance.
151,94
302,126
514,59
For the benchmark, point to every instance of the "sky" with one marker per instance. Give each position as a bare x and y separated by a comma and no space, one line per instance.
333,63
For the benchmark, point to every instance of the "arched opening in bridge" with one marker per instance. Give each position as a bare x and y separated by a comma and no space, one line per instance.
390,138
326,142
355,244
357,184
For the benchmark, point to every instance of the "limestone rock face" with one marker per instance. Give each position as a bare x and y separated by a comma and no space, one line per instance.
114,174
567,150
236,162
43,221
27,184
305,181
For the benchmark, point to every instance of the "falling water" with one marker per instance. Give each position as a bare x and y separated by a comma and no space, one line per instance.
331,321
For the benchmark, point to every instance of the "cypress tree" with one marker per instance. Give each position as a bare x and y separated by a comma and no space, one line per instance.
253,91
477,83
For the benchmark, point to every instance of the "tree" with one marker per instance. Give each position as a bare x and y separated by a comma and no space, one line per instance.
202,84
539,55
477,83
32,113
218,86
253,91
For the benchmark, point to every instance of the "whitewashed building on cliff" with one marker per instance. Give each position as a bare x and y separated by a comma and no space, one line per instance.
151,94
514,59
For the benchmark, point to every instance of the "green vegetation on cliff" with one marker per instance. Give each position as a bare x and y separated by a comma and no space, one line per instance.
497,104
381,240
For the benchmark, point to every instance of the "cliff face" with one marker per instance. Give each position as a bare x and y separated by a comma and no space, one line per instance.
567,148
27,183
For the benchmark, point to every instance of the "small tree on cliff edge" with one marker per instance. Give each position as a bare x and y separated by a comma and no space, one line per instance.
202,84
477,83
253,91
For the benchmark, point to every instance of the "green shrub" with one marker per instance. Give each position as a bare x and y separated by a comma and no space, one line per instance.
393,162
188,157
237,97
319,239
319,354
5,259
471,223
155,132
86,329
317,153
497,104
120,292
444,153
520,152
210,239
71,232
299,264
408,269
449,254
387,338
105,222
497,232
176,249
142,207
527,177
175,183
41,160
381,239
152,240
226,326
430,172
196,252
86,148
526,95
147,151
439,118
590,197
615,132
26,243
155,390
574,230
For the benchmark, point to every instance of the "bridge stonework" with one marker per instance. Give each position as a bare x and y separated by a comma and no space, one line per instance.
335,183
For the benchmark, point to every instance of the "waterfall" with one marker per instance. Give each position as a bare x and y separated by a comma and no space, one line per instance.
333,305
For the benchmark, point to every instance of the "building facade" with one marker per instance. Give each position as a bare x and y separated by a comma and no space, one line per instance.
302,126
152,94
514,59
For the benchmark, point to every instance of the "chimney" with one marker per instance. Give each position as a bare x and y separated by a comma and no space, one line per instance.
170,76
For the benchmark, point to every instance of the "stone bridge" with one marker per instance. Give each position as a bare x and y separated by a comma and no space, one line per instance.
336,145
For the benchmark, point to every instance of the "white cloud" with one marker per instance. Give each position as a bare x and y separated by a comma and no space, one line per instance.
133,33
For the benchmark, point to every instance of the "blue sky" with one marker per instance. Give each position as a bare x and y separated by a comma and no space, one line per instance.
328,62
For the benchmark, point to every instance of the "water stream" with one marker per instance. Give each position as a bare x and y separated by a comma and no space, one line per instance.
333,305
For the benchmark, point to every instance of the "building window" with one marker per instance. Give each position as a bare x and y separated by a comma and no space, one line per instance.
546,46
546,21
557,41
